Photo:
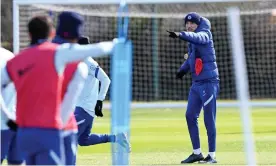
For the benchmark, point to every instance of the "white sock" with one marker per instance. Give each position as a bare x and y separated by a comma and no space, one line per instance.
197,151
212,154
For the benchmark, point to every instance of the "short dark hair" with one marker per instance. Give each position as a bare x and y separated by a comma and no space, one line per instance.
40,27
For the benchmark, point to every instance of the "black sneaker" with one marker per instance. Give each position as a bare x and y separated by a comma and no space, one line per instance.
208,160
193,158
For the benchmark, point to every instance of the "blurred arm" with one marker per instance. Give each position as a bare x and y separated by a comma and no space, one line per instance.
73,91
67,53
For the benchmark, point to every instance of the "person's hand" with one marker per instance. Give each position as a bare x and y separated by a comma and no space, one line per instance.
180,74
173,34
98,108
12,125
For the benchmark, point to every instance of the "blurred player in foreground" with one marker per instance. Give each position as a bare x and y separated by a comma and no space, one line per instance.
37,73
205,87
9,148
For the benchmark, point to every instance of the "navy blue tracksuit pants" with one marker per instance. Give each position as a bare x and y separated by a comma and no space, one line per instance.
202,95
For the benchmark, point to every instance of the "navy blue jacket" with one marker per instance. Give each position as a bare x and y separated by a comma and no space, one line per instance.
201,46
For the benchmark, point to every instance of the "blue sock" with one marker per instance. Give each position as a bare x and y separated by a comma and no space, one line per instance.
94,139
111,138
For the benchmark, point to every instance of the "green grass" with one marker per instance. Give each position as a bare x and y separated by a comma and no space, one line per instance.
160,137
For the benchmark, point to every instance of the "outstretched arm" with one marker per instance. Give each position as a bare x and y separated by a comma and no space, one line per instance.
67,53
195,38
201,37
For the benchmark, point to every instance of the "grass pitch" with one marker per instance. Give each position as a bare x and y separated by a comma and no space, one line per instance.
160,137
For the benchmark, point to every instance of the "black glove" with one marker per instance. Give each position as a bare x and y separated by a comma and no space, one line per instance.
172,34
180,74
98,108
12,125
84,40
